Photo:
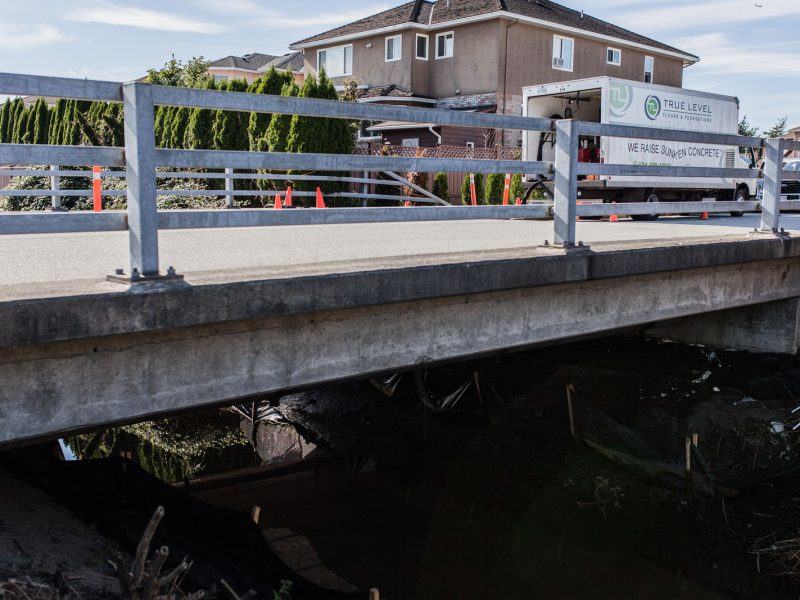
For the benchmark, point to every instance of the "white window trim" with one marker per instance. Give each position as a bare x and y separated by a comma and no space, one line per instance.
443,34
336,48
571,58
399,46
616,64
427,46
652,72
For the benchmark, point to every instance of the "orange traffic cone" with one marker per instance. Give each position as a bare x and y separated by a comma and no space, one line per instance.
278,201
519,201
320,199
288,196
407,204
704,216
613,218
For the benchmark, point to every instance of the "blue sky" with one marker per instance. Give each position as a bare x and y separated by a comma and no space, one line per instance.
747,51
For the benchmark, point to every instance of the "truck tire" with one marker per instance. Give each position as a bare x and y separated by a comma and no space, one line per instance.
652,197
742,195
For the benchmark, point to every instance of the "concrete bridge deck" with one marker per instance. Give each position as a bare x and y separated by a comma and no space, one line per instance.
321,304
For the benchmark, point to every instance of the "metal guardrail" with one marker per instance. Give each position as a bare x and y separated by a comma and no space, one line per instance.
141,158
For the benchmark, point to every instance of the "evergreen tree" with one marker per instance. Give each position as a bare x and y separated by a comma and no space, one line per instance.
29,132
158,125
777,130
495,186
178,127
441,186
70,131
466,192
20,124
747,130
199,131
517,188
258,123
41,122
281,125
57,116
113,119
5,116
230,130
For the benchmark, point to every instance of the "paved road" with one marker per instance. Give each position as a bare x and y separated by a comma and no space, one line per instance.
28,259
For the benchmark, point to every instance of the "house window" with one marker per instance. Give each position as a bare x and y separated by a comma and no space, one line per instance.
394,48
614,56
219,78
444,44
562,52
337,61
649,64
422,46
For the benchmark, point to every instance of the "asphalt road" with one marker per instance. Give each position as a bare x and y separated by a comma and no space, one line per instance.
30,259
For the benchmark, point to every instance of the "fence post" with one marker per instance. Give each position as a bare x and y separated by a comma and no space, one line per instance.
566,182
140,162
228,188
773,173
55,185
365,189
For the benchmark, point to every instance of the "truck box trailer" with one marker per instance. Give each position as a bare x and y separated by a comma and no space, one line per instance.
623,102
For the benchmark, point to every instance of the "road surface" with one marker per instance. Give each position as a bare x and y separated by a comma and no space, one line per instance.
29,259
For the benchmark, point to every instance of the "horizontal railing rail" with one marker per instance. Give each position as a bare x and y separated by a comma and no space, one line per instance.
143,165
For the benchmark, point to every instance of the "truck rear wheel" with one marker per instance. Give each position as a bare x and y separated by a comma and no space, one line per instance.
652,197
742,195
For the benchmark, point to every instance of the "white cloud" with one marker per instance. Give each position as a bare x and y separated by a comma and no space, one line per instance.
100,11
721,55
680,15
16,37
291,18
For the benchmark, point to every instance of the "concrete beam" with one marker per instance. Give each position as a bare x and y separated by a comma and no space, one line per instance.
770,327
61,386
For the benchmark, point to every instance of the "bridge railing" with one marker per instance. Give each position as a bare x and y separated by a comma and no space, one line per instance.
141,160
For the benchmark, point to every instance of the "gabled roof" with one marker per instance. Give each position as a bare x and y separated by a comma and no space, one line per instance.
293,61
385,91
248,62
426,14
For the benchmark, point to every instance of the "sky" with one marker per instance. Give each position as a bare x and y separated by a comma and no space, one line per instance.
749,49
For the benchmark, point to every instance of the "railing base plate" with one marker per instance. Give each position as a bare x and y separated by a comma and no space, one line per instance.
136,278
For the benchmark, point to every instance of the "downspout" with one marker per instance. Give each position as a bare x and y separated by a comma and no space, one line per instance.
438,137
505,77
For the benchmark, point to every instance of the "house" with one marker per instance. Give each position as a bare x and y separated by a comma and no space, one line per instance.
793,135
252,66
479,54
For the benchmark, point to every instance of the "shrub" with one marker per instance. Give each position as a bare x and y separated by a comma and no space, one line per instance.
466,196
441,186
517,188
495,184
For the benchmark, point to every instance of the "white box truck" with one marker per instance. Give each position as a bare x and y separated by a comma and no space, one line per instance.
619,101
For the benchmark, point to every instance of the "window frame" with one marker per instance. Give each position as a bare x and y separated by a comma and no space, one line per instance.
652,70
398,39
619,55
427,46
563,38
444,34
344,51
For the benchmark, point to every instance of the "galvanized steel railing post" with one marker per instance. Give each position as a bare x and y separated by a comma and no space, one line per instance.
773,173
566,182
140,163
229,188
55,185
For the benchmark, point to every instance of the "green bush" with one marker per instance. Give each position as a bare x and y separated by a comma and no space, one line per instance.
495,184
441,187
517,188
466,196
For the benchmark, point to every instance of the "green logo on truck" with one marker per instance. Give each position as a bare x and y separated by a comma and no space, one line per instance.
652,107
620,98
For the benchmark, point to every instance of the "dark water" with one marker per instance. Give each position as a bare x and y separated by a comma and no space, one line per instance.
495,498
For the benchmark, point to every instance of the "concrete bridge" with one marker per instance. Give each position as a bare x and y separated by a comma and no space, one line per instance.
78,354
380,289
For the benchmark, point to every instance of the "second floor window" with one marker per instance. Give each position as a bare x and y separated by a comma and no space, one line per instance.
562,53
394,48
422,46
337,61
445,44
614,56
649,64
